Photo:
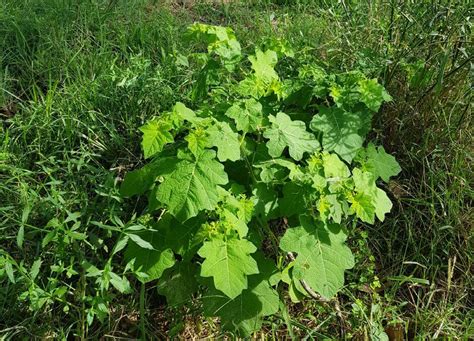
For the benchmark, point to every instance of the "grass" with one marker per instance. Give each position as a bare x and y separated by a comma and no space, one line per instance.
77,78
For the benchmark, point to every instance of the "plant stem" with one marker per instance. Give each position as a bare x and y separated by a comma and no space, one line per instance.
142,312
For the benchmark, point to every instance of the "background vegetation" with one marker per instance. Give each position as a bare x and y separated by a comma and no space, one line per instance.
77,78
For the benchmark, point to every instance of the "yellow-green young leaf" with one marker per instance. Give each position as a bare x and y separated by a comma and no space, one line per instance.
340,131
220,40
151,262
226,140
236,224
197,140
252,86
369,201
242,207
156,133
247,115
322,254
363,207
330,207
334,167
184,113
292,134
372,94
229,262
192,186
263,64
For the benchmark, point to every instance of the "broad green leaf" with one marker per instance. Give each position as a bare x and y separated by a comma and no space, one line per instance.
340,131
156,133
295,290
380,163
267,269
265,201
184,112
322,254
182,238
292,134
247,115
178,283
150,262
276,170
226,140
383,204
193,185
229,263
137,181
140,180
245,312
294,200
372,94
334,167
263,64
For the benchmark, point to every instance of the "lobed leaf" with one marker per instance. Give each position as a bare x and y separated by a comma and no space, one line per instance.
193,184
322,254
229,263
292,134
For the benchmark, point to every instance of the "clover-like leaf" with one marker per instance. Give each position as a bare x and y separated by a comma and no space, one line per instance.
292,134
229,263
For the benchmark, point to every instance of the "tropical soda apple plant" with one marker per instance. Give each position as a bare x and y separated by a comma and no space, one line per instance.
254,182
